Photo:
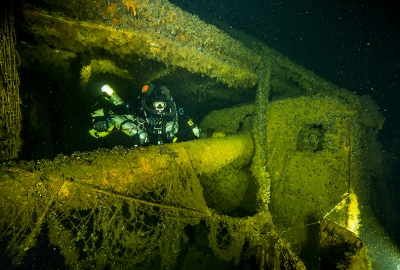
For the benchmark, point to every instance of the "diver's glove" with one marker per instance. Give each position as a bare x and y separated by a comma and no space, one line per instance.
196,131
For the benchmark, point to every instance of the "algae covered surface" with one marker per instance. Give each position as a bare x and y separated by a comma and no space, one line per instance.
309,145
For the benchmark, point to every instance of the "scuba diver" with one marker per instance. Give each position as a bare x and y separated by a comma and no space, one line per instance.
163,120
114,115
160,122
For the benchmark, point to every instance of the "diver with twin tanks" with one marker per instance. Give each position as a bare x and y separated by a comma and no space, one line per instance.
156,121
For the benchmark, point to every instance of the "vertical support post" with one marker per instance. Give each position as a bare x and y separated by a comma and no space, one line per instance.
259,164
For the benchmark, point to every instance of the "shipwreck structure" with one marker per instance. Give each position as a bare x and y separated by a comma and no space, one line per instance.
286,150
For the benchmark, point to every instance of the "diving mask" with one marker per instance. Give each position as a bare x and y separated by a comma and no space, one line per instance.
159,105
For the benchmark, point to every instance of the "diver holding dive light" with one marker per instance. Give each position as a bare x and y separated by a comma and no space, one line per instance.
117,115
159,122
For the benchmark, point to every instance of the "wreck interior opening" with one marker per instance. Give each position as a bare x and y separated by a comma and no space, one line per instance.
64,88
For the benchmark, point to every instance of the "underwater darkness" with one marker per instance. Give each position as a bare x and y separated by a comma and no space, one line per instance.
353,44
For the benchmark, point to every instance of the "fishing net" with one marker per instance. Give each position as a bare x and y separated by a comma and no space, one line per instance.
114,209
10,113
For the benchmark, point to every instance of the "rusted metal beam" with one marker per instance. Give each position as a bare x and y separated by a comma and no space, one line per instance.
226,59
120,169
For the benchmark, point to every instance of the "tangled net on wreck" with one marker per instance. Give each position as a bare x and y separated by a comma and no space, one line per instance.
97,216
